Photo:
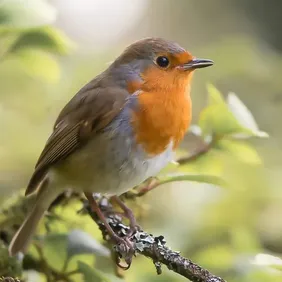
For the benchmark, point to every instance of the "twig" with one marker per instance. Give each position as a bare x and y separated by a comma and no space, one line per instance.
153,247
161,254
144,188
201,150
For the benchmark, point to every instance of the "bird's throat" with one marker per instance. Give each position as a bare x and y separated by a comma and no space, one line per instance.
162,117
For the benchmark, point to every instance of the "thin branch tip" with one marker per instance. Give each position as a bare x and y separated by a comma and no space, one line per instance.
154,247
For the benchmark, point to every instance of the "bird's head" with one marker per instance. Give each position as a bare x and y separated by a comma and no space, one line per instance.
156,63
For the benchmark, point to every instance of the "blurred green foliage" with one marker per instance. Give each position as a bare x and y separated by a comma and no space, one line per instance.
220,209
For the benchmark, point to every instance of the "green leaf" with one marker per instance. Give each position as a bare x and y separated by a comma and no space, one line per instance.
55,249
45,38
38,64
217,118
240,150
80,242
7,39
243,115
209,179
90,274
210,163
215,97
76,242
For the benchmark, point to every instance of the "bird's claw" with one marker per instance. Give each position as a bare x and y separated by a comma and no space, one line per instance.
124,249
123,267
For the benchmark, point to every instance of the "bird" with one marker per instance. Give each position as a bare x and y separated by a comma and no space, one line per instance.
120,129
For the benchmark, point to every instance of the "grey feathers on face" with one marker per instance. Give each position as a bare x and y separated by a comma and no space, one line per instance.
147,49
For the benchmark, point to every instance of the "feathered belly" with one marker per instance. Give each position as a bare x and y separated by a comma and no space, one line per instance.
112,163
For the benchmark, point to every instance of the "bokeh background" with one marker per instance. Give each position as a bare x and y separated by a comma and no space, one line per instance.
224,230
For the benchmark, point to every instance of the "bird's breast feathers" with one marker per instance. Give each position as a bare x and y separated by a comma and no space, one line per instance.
161,118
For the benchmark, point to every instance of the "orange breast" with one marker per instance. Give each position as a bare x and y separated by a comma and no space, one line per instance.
164,112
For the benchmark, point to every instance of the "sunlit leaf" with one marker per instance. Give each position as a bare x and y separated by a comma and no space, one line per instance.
44,38
215,97
218,119
243,115
240,150
210,163
90,274
7,39
39,64
80,242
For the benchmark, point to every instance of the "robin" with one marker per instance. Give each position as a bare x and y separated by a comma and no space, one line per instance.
118,130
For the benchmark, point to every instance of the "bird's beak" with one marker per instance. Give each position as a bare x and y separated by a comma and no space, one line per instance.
197,64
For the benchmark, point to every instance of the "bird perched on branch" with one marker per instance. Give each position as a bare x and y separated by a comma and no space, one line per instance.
117,131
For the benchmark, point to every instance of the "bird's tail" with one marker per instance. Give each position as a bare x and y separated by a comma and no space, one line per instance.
24,235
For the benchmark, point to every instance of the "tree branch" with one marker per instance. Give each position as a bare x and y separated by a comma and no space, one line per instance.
152,247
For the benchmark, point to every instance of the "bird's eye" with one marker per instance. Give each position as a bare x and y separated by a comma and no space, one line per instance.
162,62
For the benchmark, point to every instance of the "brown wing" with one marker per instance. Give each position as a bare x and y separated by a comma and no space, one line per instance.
89,111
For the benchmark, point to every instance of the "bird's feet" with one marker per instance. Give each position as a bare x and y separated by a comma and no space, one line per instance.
124,246
134,227
124,250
